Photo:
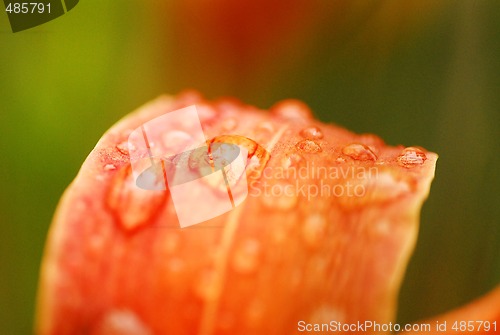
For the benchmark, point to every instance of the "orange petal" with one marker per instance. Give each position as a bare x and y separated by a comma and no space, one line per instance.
325,233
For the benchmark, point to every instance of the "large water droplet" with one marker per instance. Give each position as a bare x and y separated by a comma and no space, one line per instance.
245,259
258,156
131,205
292,109
313,229
311,133
411,157
152,178
217,157
359,152
308,146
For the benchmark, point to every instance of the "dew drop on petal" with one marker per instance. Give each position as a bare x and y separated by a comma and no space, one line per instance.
313,229
308,146
245,258
175,265
258,156
190,96
123,147
292,160
325,313
266,126
411,157
264,131
255,313
97,243
280,196
311,133
171,243
109,167
121,322
132,206
229,123
205,112
292,109
206,285
359,152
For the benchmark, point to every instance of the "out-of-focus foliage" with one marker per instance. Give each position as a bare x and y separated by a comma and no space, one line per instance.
416,73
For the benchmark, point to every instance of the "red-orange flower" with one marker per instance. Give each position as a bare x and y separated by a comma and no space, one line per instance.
117,262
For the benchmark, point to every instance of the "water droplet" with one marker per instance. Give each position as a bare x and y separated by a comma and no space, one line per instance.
245,259
96,243
221,157
229,123
292,160
175,265
264,131
256,312
411,157
292,109
121,322
359,152
382,228
325,313
153,177
258,156
313,229
266,126
123,148
308,146
280,196
109,167
189,96
228,106
131,205
205,111
311,133
171,243
206,287
199,160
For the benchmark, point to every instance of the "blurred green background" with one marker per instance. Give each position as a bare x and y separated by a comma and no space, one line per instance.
416,73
